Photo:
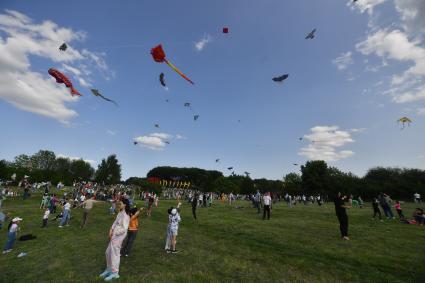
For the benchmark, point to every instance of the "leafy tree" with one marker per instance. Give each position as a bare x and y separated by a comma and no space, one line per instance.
81,170
109,171
224,185
43,160
292,183
315,177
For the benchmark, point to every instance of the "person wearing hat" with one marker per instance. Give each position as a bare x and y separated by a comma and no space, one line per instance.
172,230
12,234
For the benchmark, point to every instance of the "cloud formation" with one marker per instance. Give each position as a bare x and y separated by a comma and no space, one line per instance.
203,42
154,141
32,91
325,141
343,61
365,5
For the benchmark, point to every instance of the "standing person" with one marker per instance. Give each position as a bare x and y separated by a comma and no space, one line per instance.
267,202
341,213
210,200
383,201
150,204
397,207
45,218
117,234
132,231
194,205
12,234
417,197
257,201
419,216
173,228
376,210
66,214
87,205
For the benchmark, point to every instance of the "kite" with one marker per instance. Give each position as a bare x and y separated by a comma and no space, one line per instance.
156,125
62,79
280,79
195,117
225,30
135,142
97,93
167,142
217,160
63,47
158,55
229,168
295,164
404,120
161,79
167,100
187,104
300,139
311,34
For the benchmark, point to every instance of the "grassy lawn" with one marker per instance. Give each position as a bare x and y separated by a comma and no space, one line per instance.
227,244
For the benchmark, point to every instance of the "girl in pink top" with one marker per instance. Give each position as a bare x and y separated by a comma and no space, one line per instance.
397,207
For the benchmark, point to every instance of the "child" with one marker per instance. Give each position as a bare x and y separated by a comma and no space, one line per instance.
45,218
172,230
399,210
132,231
12,234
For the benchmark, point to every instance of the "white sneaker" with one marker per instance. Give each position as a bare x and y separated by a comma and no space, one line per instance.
113,275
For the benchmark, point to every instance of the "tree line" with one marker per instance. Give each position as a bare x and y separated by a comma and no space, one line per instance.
315,177
45,166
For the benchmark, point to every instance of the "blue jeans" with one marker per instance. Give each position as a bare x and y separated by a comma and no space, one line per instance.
387,211
11,236
66,217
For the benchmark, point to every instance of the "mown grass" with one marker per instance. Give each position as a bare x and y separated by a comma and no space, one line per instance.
226,244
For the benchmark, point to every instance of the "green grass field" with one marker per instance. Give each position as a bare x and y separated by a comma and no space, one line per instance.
226,244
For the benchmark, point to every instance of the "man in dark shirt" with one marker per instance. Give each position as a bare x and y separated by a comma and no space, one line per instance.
194,205
342,215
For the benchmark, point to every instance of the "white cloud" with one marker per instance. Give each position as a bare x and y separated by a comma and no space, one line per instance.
110,132
90,161
20,39
180,137
154,141
412,14
421,111
343,61
358,130
364,5
324,142
203,42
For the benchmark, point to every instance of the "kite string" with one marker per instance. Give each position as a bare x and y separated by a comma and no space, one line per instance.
177,71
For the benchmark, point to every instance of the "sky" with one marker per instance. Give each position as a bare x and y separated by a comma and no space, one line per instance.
347,87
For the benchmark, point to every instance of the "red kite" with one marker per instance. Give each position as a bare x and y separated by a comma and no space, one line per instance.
158,55
62,79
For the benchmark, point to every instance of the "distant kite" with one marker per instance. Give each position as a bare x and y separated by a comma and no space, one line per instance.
280,79
404,120
311,34
161,79
195,117
295,164
229,168
62,79
225,30
63,47
135,142
156,125
217,160
187,104
158,55
97,93
300,138
167,142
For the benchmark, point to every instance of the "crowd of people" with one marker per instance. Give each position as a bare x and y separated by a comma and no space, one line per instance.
123,232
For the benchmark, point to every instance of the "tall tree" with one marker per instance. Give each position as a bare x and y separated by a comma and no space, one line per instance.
315,177
43,160
109,171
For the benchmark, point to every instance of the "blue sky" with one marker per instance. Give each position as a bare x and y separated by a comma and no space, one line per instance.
346,88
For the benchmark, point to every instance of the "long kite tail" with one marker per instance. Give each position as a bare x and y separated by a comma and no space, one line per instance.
178,71
74,91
